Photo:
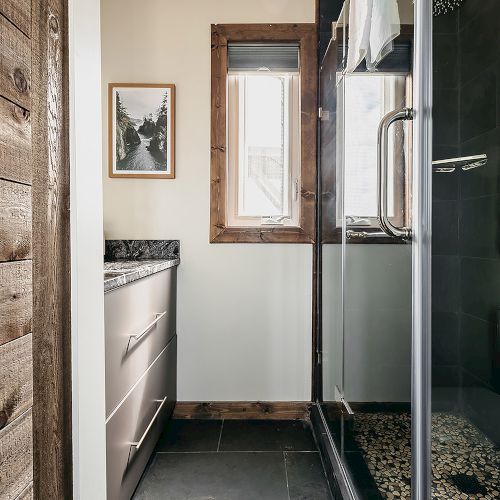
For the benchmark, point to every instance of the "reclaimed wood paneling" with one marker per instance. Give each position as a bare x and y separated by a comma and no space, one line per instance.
16,457
15,300
306,35
51,253
294,410
16,379
15,221
18,12
15,142
15,64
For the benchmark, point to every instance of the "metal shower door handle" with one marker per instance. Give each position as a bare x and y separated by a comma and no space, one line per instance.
382,159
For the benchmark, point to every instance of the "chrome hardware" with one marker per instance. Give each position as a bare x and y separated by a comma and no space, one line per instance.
138,444
464,162
352,234
382,155
347,406
141,334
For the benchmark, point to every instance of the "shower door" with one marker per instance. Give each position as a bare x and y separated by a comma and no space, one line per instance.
375,182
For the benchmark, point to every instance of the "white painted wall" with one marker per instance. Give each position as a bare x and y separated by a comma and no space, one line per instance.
87,291
244,311
376,341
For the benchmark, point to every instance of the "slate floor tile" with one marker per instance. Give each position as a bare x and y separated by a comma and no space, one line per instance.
306,477
250,435
215,476
266,435
295,435
190,435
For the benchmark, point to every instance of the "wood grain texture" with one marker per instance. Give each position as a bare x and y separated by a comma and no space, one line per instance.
15,221
15,142
306,35
16,457
16,379
15,64
294,410
18,12
51,253
15,300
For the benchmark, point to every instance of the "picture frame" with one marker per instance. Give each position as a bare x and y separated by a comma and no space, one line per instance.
141,130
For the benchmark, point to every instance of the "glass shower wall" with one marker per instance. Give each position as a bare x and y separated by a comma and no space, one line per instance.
466,254
366,281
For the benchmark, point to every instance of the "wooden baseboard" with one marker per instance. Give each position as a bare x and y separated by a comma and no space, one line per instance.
243,410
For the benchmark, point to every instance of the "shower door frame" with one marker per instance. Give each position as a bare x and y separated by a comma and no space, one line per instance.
422,252
421,276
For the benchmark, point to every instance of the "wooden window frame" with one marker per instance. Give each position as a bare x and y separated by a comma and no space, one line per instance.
306,36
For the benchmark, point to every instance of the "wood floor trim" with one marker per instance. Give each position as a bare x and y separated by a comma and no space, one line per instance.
243,410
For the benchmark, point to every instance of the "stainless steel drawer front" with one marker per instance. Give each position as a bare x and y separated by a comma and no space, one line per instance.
134,428
140,320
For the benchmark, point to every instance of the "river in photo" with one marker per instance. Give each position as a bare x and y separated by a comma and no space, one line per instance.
139,158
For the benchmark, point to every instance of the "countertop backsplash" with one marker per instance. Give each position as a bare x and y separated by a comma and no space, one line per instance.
141,249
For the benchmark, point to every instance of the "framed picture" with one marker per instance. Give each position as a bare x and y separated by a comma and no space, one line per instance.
141,130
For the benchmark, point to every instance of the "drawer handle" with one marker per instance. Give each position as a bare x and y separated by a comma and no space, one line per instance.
138,336
138,444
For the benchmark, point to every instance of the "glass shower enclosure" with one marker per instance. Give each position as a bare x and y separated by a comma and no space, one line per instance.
409,348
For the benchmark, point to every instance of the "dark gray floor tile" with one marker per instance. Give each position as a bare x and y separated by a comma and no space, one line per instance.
215,476
306,478
267,435
190,435
295,435
250,435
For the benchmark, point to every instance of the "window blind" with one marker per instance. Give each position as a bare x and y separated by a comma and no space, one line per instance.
270,56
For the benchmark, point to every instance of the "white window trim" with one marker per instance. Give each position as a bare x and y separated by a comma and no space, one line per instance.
234,156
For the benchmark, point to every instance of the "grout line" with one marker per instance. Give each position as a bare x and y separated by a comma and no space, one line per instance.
220,436
286,476
235,451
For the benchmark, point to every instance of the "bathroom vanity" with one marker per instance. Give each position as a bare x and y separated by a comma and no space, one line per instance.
140,285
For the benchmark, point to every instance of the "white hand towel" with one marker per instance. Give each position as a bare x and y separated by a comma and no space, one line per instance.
360,15
385,27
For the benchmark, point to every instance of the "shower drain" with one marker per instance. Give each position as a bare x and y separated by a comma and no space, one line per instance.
468,484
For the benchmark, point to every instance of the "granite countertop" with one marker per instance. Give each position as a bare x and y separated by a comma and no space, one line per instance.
129,260
120,272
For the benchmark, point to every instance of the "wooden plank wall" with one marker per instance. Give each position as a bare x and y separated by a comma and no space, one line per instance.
16,366
51,252
35,398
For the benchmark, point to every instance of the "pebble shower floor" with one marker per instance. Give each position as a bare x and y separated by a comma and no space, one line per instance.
465,463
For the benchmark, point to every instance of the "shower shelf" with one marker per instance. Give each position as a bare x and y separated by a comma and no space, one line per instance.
464,162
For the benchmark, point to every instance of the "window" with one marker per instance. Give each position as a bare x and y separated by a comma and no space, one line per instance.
367,98
263,134
263,147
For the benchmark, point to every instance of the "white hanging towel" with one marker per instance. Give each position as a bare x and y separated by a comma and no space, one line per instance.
385,27
373,25
360,14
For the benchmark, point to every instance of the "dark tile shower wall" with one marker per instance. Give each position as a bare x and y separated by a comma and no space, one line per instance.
466,222
446,260
479,214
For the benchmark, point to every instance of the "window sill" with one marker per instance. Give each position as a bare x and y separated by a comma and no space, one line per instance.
260,235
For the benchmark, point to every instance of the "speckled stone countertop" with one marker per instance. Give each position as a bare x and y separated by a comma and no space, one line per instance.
129,260
120,272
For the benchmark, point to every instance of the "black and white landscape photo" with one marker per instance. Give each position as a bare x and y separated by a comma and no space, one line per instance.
141,138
